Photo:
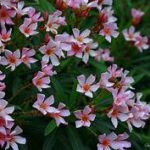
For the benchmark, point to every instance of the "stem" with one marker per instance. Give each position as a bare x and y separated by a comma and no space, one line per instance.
95,134
33,113
19,91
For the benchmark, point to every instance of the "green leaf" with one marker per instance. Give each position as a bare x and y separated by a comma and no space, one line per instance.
50,127
100,66
74,139
59,89
17,84
73,95
103,124
44,5
50,141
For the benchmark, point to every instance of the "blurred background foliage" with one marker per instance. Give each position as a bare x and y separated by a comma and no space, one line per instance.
63,85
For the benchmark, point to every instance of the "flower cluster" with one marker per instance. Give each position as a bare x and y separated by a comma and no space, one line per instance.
104,54
81,45
126,106
14,59
9,136
139,41
44,106
106,23
113,141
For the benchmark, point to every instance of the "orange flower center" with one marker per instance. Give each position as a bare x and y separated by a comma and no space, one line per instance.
80,39
107,31
105,142
49,52
5,36
39,82
75,48
115,112
86,87
12,59
25,59
43,106
3,14
2,136
85,117
87,49
27,30
130,36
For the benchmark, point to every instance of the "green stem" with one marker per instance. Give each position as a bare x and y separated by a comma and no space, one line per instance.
19,91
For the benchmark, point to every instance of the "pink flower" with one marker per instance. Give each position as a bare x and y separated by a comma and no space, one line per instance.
109,30
20,10
2,76
81,4
55,21
44,105
106,15
2,136
105,141
81,38
13,139
118,112
12,59
136,16
130,34
27,58
28,28
33,16
6,111
141,43
89,51
8,3
6,15
144,108
139,113
48,69
74,3
50,51
116,142
76,50
108,78
116,79
64,41
104,54
120,143
5,35
41,81
122,97
2,94
2,86
86,86
59,116
85,117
